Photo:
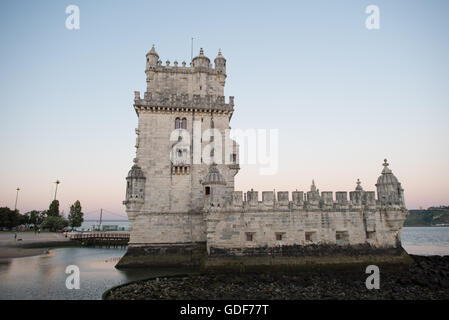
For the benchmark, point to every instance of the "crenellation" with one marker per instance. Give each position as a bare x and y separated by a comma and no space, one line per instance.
268,198
237,198
170,101
252,198
341,197
327,199
298,198
282,199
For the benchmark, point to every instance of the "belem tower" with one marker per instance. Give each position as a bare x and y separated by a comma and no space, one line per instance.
183,208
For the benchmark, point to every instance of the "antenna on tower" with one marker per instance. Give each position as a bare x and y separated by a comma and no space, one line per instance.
191,47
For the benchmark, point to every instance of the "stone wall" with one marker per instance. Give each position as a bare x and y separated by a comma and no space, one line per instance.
163,228
240,231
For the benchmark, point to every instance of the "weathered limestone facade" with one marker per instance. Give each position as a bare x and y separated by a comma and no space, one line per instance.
183,208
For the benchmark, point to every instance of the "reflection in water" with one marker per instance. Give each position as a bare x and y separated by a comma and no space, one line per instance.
43,277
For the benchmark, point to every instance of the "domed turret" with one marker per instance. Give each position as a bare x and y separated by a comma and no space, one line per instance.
152,58
220,63
135,172
389,189
201,61
214,188
135,188
214,176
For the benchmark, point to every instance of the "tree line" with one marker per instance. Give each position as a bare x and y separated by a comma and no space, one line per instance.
50,219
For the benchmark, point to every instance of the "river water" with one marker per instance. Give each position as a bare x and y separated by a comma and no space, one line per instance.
44,277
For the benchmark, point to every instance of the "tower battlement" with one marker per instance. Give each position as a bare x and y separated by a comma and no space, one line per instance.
306,201
185,101
200,78
299,201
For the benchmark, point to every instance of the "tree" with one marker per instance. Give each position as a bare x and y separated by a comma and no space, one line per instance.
35,217
55,223
53,210
9,218
75,215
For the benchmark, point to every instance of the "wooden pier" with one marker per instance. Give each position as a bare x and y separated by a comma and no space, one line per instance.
108,239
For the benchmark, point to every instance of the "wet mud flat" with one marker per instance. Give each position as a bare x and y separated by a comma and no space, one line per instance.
426,278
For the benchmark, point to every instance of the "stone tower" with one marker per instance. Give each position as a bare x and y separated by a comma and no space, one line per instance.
183,208
183,129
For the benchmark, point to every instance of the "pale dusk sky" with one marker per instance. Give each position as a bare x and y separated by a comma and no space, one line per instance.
343,97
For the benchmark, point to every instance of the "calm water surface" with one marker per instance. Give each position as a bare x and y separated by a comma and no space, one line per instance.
426,240
43,277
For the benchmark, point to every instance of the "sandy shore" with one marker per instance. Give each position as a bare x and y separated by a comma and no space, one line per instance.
30,244
8,253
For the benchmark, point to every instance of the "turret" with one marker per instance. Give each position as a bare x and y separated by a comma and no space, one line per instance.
214,188
135,188
389,189
201,61
220,63
152,58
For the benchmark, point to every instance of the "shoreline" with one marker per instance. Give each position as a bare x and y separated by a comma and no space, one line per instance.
7,253
31,244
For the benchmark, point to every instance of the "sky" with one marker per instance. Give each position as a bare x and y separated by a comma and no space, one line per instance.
343,97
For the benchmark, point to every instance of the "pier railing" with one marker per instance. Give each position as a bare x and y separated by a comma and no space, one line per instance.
101,238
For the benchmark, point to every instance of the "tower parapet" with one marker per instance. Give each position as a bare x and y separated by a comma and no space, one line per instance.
182,102
387,187
201,77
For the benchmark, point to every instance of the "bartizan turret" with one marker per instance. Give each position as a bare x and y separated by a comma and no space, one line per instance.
214,188
135,190
220,63
152,58
389,189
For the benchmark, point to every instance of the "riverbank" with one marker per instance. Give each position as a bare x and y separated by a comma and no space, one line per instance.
9,253
30,244
427,278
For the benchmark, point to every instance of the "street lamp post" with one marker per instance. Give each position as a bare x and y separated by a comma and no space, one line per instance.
56,190
17,195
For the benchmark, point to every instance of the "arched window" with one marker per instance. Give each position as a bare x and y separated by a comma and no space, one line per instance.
177,123
184,123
